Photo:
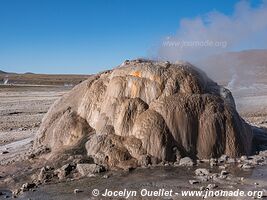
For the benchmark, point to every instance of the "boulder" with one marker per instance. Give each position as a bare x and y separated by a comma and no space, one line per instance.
87,169
65,170
145,107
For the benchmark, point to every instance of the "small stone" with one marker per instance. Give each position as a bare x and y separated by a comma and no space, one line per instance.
27,186
243,158
193,182
45,174
213,162
223,158
202,172
231,160
77,191
91,175
246,166
65,170
167,63
186,161
106,176
203,178
16,192
85,169
47,167
258,160
202,188
22,129
31,156
242,179
222,167
224,177
215,175
211,186
224,172
199,161
5,152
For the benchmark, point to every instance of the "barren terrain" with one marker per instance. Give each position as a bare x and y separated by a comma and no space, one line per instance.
42,79
22,109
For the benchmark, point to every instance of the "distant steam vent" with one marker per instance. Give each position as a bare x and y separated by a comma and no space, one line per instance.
6,80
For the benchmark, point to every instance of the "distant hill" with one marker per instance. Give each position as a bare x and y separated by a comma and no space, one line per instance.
248,66
2,72
44,79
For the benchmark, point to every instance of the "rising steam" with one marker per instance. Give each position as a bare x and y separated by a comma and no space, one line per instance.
215,33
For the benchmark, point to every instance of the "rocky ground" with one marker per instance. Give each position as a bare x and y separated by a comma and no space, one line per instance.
21,111
251,103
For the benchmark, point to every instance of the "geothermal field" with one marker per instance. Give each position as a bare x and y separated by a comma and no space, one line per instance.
144,124
138,100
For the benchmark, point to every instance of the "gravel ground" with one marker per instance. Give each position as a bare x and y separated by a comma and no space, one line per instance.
21,111
251,103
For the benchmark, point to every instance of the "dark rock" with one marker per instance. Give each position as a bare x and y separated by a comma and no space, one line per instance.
77,191
223,172
65,170
46,174
246,166
202,172
211,186
31,156
193,182
213,162
27,186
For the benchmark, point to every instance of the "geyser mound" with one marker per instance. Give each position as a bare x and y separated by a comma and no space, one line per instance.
146,110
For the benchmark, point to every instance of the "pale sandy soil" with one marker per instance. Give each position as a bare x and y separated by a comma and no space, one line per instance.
251,103
22,109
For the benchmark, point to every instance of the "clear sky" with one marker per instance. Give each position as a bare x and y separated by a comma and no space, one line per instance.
87,36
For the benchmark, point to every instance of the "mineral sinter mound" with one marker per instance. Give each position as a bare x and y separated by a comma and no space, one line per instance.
146,109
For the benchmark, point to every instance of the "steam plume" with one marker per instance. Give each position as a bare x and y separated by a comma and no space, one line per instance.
215,33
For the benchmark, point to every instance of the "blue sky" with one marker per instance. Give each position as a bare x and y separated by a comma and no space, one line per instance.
87,36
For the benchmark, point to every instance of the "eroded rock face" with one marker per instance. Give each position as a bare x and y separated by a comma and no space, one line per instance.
146,108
